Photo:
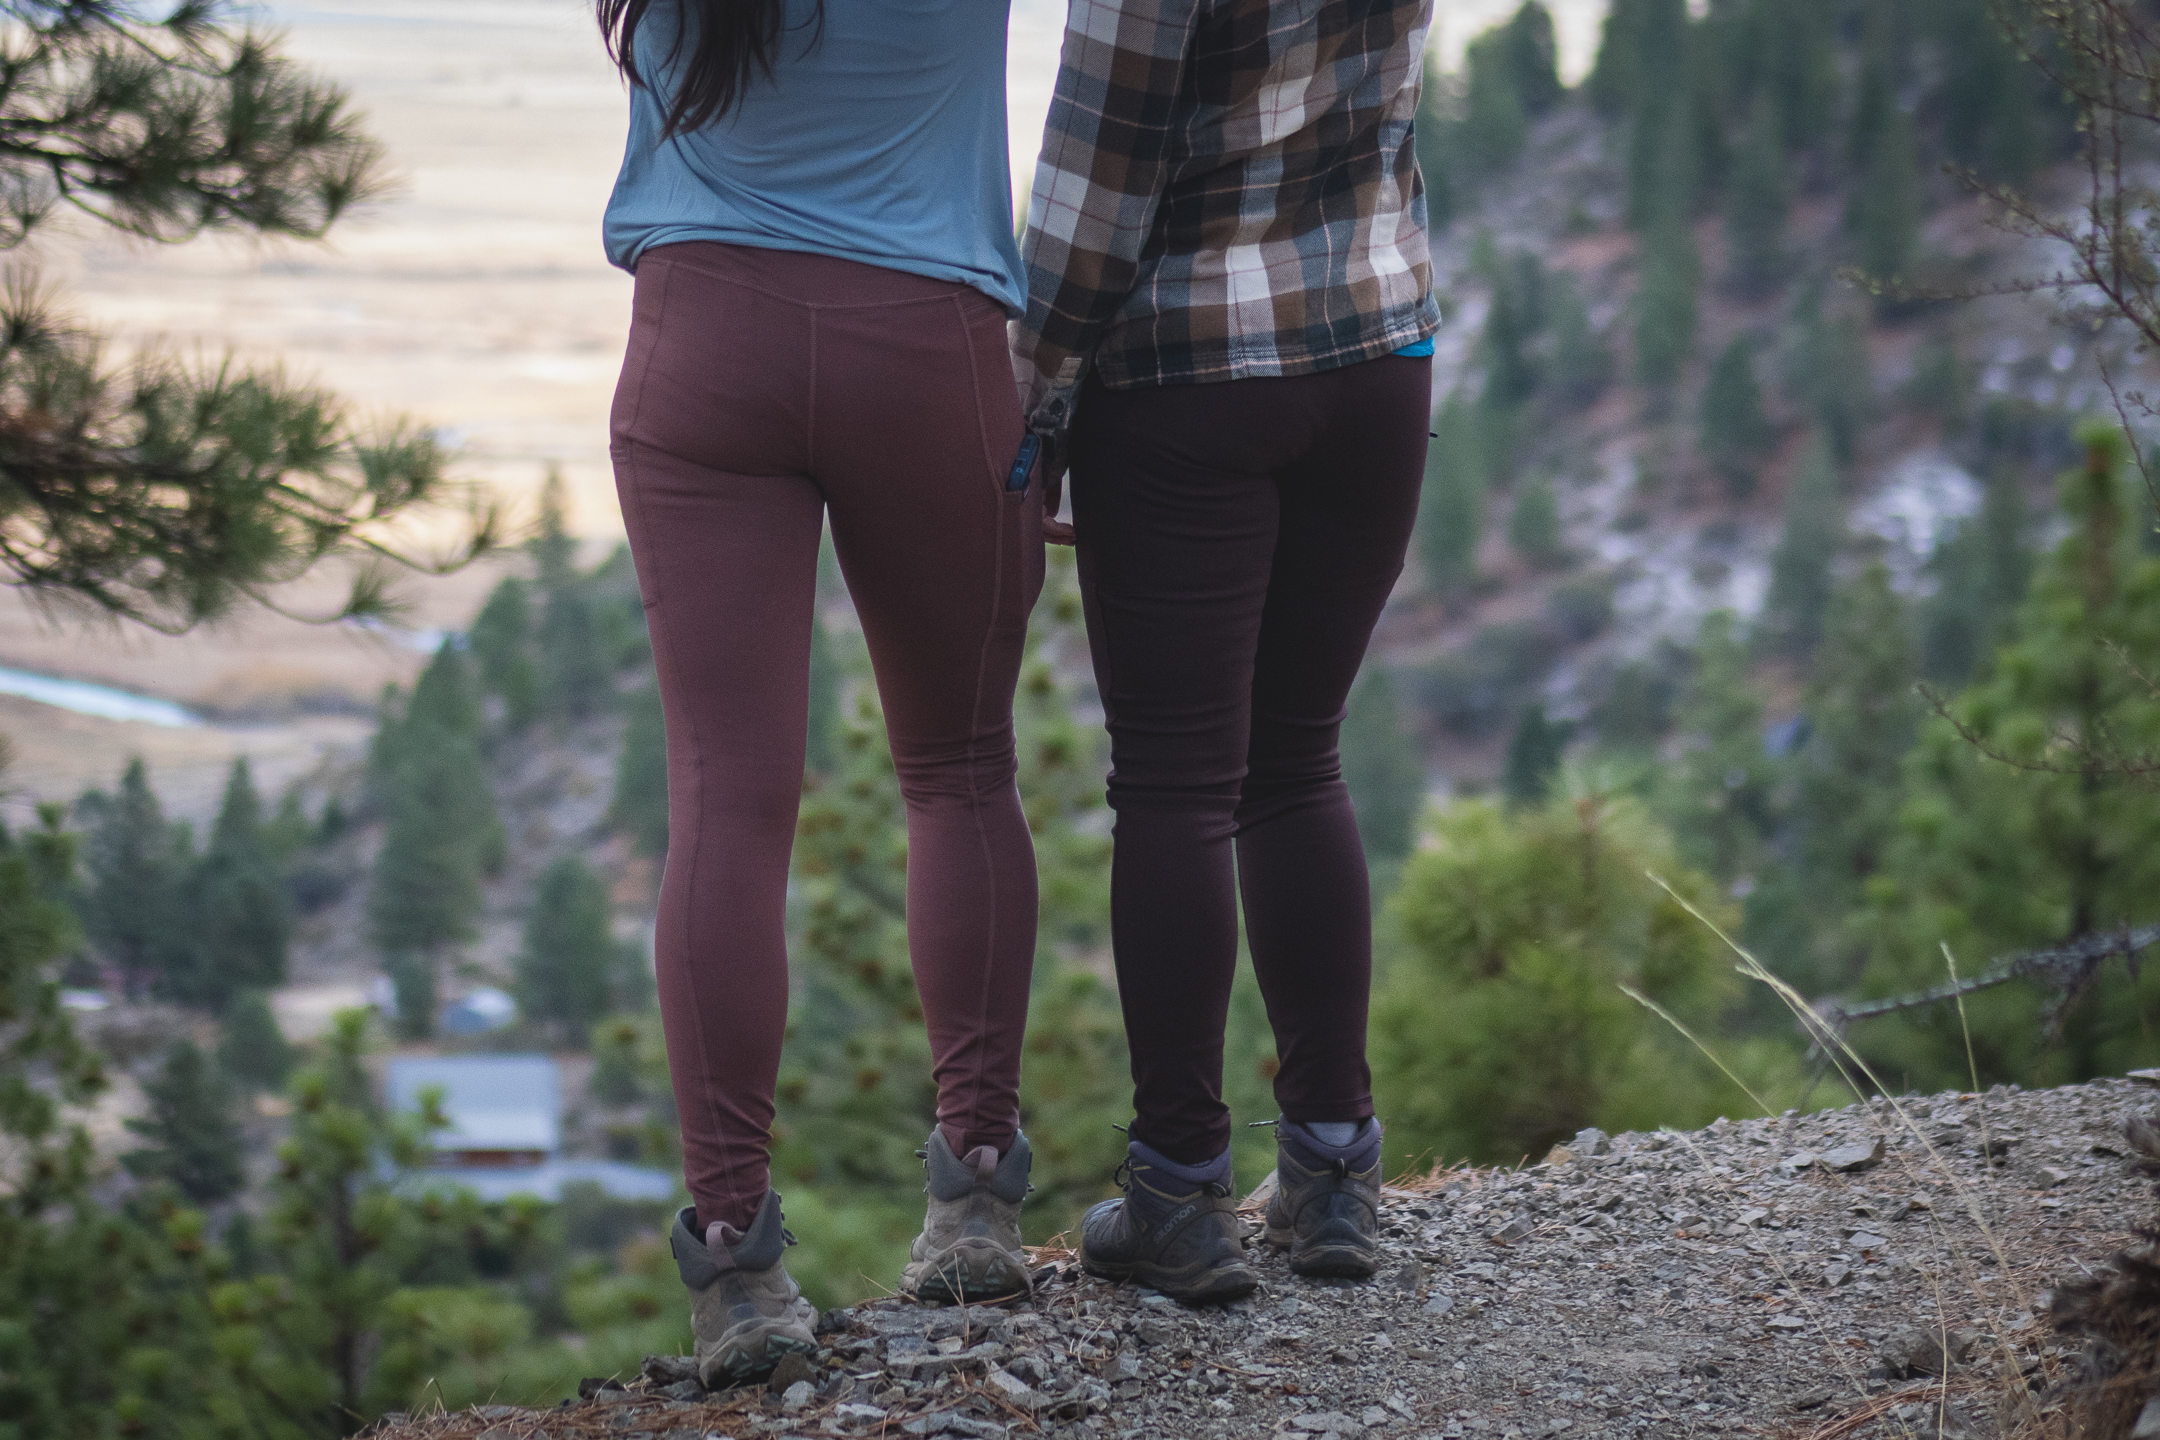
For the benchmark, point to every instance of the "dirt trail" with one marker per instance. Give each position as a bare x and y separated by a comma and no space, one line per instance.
1802,1276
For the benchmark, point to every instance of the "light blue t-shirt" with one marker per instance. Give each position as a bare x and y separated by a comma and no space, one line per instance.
881,140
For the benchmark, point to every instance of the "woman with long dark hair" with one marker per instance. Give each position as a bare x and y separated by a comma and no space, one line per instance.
815,202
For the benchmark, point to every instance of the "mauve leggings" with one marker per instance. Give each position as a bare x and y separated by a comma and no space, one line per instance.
762,390
1236,544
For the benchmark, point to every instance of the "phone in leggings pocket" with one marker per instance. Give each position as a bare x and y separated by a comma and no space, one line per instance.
1023,466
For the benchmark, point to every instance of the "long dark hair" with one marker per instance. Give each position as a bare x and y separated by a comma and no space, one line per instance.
734,42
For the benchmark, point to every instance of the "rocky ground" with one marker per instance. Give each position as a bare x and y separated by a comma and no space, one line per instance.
1873,1271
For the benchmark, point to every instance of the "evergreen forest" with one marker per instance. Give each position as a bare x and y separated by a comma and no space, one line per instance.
1786,582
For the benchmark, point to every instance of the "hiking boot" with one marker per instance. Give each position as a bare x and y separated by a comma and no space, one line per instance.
745,1311
969,1248
1326,1207
1176,1231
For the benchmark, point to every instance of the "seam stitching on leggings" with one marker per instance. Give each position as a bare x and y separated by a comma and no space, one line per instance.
810,406
664,654
982,666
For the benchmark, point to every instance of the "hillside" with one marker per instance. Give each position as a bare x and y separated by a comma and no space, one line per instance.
1872,1271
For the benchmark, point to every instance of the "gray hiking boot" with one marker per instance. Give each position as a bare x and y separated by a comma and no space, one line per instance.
969,1248
745,1311
1326,1207
1176,1231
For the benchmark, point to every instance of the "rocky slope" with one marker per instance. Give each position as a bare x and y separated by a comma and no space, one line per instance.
1883,1269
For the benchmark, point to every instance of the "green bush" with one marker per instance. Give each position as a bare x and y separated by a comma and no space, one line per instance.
1502,1029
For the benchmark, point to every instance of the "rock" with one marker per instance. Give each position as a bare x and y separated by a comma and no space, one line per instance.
2147,1425
1691,1223
1849,1158
797,1395
1326,1422
834,1322
1125,1367
1812,1400
1866,1240
1373,1415
1152,1330
1261,1193
859,1414
921,1365
1591,1141
1439,1305
1836,1274
2143,1077
592,1385
1793,1164
681,1390
1559,1157
1785,1323
1917,1350
2051,1176
1409,1277
1013,1390
791,1370
1517,1229
1752,1216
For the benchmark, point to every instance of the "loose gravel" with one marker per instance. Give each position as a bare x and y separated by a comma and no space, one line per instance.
1883,1269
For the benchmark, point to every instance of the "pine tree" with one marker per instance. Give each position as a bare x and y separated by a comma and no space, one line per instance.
1980,572
1717,798
1582,363
1495,123
193,1140
123,1333
1501,1027
130,905
252,1049
1846,780
1799,46
1533,756
1534,523
1991,857
1665,307
1433,136
1735,432
443,834
1883,216
1382,767
1513,323
574,663
161,491
821,752
1756,204
1800,579
640,805
1828,376
1533,56
1452,518
565,971
236,906
1999,115
501,644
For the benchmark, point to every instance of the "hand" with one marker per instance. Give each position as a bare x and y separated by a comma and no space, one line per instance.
1054,530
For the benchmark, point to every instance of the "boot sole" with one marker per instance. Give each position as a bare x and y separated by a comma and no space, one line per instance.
1216,1284
753,1355
967,1274
1324,1262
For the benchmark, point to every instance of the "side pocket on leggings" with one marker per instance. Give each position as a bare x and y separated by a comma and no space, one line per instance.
1022,473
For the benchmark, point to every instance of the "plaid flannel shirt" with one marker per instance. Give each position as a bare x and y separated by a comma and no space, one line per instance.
1227,188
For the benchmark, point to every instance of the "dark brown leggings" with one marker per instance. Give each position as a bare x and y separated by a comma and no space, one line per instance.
1236,544
763,390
